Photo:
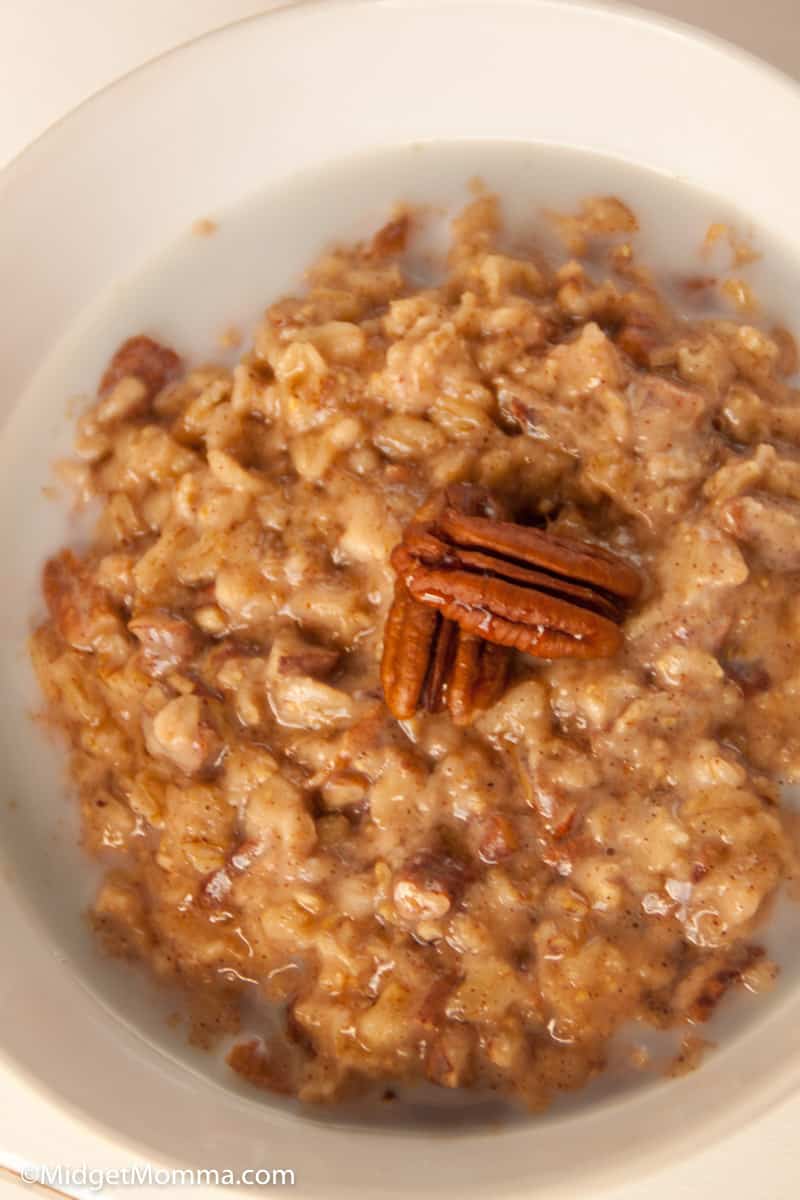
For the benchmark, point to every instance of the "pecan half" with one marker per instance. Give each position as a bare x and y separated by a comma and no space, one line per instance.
472,585
549,596
430,663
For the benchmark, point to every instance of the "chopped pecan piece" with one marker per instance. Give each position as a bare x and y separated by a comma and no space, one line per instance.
291,655
428,885
145,359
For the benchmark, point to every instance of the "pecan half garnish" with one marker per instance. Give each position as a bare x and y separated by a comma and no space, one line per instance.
462,563
430,663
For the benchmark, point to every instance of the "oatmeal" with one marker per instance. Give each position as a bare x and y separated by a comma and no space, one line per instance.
483,888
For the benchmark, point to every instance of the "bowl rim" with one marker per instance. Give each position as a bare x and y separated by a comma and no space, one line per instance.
625,11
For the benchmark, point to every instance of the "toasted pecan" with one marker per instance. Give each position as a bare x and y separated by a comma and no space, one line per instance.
430,663
499,584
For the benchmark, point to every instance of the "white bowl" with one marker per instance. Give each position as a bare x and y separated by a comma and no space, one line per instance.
236,112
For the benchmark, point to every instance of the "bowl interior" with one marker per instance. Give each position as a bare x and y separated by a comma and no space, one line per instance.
159,147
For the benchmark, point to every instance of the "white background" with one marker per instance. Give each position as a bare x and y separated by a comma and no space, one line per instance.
54,53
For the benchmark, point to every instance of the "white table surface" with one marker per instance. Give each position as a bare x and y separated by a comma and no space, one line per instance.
54,53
